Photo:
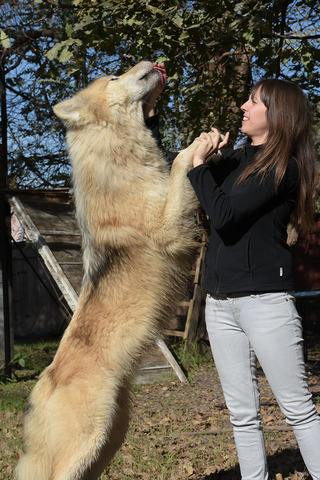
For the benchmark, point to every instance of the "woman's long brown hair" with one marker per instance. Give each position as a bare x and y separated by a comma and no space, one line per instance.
289,135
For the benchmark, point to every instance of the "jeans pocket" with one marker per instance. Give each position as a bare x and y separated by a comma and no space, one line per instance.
272,298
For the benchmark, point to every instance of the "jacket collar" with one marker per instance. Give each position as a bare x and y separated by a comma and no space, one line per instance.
251,150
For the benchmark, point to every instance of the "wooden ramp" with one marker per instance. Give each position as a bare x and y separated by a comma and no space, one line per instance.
49,222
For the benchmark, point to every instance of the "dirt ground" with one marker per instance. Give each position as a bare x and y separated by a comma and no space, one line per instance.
177,431
190,424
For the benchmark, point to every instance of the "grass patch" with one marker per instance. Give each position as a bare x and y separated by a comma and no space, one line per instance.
38,354
191,357
29,359
14,396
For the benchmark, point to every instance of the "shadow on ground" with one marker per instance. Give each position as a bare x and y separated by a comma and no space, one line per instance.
285,463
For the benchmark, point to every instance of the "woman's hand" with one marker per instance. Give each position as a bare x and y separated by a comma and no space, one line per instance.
210,144
150,101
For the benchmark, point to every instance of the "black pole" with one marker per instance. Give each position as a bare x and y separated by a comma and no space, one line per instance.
5,229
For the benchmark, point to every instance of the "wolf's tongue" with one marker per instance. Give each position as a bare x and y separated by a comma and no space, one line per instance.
162,72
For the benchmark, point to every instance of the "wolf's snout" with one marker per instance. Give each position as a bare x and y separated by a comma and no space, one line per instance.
147,74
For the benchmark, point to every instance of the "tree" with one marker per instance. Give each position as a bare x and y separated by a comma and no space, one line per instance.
213,51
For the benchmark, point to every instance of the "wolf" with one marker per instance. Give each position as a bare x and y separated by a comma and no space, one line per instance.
138,226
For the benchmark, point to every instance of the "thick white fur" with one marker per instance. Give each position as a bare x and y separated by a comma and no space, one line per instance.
138,226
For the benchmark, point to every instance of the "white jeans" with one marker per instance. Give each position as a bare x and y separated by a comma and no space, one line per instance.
241,328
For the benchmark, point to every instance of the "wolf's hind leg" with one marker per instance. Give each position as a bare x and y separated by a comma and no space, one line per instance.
116,438
89,464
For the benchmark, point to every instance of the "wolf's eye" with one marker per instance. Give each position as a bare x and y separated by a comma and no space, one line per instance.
113,78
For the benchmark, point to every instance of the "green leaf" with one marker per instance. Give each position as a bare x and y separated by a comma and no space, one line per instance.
65,55
162,59
184,35
248,36
84,22
155,9
54,51
22,362
134,21
68,30
306,58
72,71
107,4
173,77
5,40
195,25
178,20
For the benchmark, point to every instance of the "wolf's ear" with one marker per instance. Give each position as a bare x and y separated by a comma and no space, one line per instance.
69,111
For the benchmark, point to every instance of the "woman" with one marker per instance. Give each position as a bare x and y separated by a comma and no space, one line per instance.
250,196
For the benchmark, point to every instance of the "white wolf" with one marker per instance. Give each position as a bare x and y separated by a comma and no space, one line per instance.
138,226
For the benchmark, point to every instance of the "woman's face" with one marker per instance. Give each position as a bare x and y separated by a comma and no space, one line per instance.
254,123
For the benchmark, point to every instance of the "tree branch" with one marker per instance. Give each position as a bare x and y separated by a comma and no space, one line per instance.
298,37
26,37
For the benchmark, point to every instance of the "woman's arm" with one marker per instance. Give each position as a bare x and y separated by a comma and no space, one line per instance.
245,200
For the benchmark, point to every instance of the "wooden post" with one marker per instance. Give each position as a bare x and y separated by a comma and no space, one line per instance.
5,255
193,316
5,229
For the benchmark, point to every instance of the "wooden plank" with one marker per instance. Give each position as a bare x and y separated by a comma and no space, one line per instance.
2,345
197,298
199,265
172,361
74,272
191,332
147,375
52,217
184,303
174,333
52,265
61,233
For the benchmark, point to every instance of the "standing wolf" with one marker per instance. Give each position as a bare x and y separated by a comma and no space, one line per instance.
138,227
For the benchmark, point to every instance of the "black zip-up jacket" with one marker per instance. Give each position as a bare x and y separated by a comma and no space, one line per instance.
247,250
